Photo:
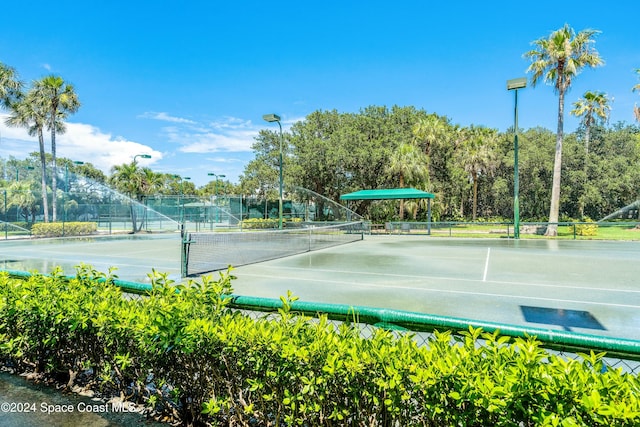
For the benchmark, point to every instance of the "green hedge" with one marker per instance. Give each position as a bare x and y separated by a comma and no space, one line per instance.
60,229
260,223
185,353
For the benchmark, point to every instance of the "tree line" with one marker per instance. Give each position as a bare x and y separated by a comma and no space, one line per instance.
469,169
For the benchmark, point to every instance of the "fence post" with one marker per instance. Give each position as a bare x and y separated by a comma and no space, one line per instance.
6,224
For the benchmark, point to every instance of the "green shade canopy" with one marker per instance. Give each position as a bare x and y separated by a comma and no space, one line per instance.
388,193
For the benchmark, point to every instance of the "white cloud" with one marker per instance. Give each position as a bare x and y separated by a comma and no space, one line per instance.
214,142
231,123
80,142
162,116
184,146
224,160
227,134
230,134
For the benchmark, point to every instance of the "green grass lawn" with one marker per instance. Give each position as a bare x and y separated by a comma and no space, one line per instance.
610,231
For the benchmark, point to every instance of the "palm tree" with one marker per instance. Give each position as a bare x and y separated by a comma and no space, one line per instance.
428,131
478,157
128,179
593,107
556,60
152,182
10,86
636,110
60,99
21,196
29,113
410,164
137,183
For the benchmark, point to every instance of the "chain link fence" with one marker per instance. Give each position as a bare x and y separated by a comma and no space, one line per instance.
629,364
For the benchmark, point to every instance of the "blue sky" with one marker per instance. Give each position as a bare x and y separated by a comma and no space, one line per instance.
189,81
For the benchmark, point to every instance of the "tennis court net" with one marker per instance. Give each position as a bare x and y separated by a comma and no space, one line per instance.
207,252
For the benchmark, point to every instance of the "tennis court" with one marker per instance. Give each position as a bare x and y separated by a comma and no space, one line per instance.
582,286
134,255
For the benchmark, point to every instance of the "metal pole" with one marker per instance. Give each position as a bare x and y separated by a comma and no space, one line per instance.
217,202
515,84
280,200
6,223
275,118
180,204
516,184
64,207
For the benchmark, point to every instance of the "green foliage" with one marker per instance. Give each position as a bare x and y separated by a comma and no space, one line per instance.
261,223
181,350
590,229
335,153
60,229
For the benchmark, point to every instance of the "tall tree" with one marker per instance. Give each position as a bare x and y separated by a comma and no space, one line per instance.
594,108
409,163
10,86
556,60
636,110
479,157
29,113
59,99
428,131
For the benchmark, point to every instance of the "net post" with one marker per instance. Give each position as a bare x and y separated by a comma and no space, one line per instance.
184,256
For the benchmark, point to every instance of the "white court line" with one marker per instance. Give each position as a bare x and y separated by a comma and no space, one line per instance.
486,265
373,285
414,276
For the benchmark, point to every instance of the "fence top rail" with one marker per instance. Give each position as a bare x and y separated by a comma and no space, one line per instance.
510,223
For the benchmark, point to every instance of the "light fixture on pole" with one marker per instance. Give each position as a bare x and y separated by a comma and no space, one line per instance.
215,188
515,84
276,118
144,156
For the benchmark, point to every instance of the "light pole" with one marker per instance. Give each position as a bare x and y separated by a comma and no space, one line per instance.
144,156
276,118
182,179
179,204
515,84
215,193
